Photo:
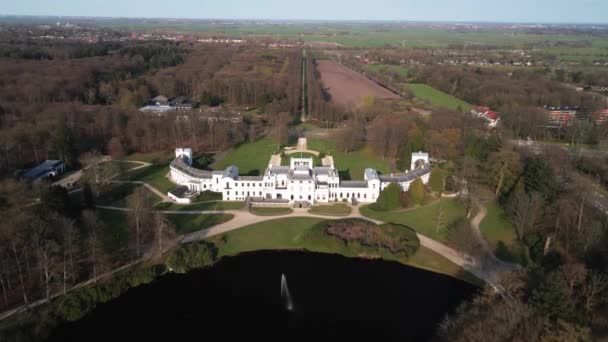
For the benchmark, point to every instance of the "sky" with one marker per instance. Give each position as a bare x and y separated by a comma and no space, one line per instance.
532,11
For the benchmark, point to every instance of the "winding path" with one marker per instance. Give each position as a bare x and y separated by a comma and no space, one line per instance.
488,268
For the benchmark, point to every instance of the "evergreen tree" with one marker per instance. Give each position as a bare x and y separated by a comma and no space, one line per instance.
436,180
389,198
416,191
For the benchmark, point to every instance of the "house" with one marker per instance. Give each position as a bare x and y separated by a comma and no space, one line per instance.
161,104
299,183
600,116
562,116
47,170
491,117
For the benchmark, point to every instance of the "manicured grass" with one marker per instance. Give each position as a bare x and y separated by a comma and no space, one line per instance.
155,175
297,233
153,158
251,158
498,230
287,160
422,219
209,196
496,226
213,205
117,195
351,165
185,224
338,209
270,211
437,98
116,229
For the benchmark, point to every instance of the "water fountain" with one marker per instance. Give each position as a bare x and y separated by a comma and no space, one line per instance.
285,295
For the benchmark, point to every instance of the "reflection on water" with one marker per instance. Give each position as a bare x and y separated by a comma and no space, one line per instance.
335,297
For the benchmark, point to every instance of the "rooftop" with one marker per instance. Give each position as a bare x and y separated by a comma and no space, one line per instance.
42,170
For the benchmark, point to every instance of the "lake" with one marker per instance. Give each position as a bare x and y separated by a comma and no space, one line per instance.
241,298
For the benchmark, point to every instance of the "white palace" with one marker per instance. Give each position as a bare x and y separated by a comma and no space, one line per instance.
300,182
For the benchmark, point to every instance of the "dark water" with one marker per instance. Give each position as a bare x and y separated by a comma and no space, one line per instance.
334,297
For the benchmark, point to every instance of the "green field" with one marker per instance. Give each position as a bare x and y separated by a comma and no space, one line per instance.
437,98
251,158
210,205
352,165
153,158
498,230
294,234
496,226
261,211
422,219
117,195
316,161
185,224
338,209
155,175
116,229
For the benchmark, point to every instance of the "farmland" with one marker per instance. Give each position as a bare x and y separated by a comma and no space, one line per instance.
437,98
347,88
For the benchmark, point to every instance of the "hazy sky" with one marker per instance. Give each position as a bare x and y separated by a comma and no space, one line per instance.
577,11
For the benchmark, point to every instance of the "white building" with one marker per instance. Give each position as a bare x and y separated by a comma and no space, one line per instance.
300,182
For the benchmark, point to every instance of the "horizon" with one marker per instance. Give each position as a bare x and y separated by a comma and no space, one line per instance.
587,12
304,20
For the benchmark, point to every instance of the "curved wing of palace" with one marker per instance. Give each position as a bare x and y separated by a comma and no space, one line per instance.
299,182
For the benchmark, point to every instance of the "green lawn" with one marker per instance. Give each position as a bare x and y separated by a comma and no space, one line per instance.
286,160
185,224
437,98
118,194
422,219
116,229
213,205
352,165
498,230
295,233
270,211
153,158
338,209
155,175
251,158
496,226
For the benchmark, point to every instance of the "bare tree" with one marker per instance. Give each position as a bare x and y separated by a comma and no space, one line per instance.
594,291
97,256
69,245
140,206
164,233
524,211
46,250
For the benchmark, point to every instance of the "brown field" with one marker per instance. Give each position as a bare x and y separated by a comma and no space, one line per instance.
347,87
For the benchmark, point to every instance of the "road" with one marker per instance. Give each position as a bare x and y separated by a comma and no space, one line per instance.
304,104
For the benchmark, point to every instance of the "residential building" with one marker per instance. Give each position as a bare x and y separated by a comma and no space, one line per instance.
562,116
491,117
47,170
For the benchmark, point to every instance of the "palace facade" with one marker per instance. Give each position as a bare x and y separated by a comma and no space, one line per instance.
300,182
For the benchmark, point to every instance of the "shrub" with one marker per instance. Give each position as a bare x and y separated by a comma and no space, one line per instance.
389,198
416,191
436,180
191,256
370,238
322,155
